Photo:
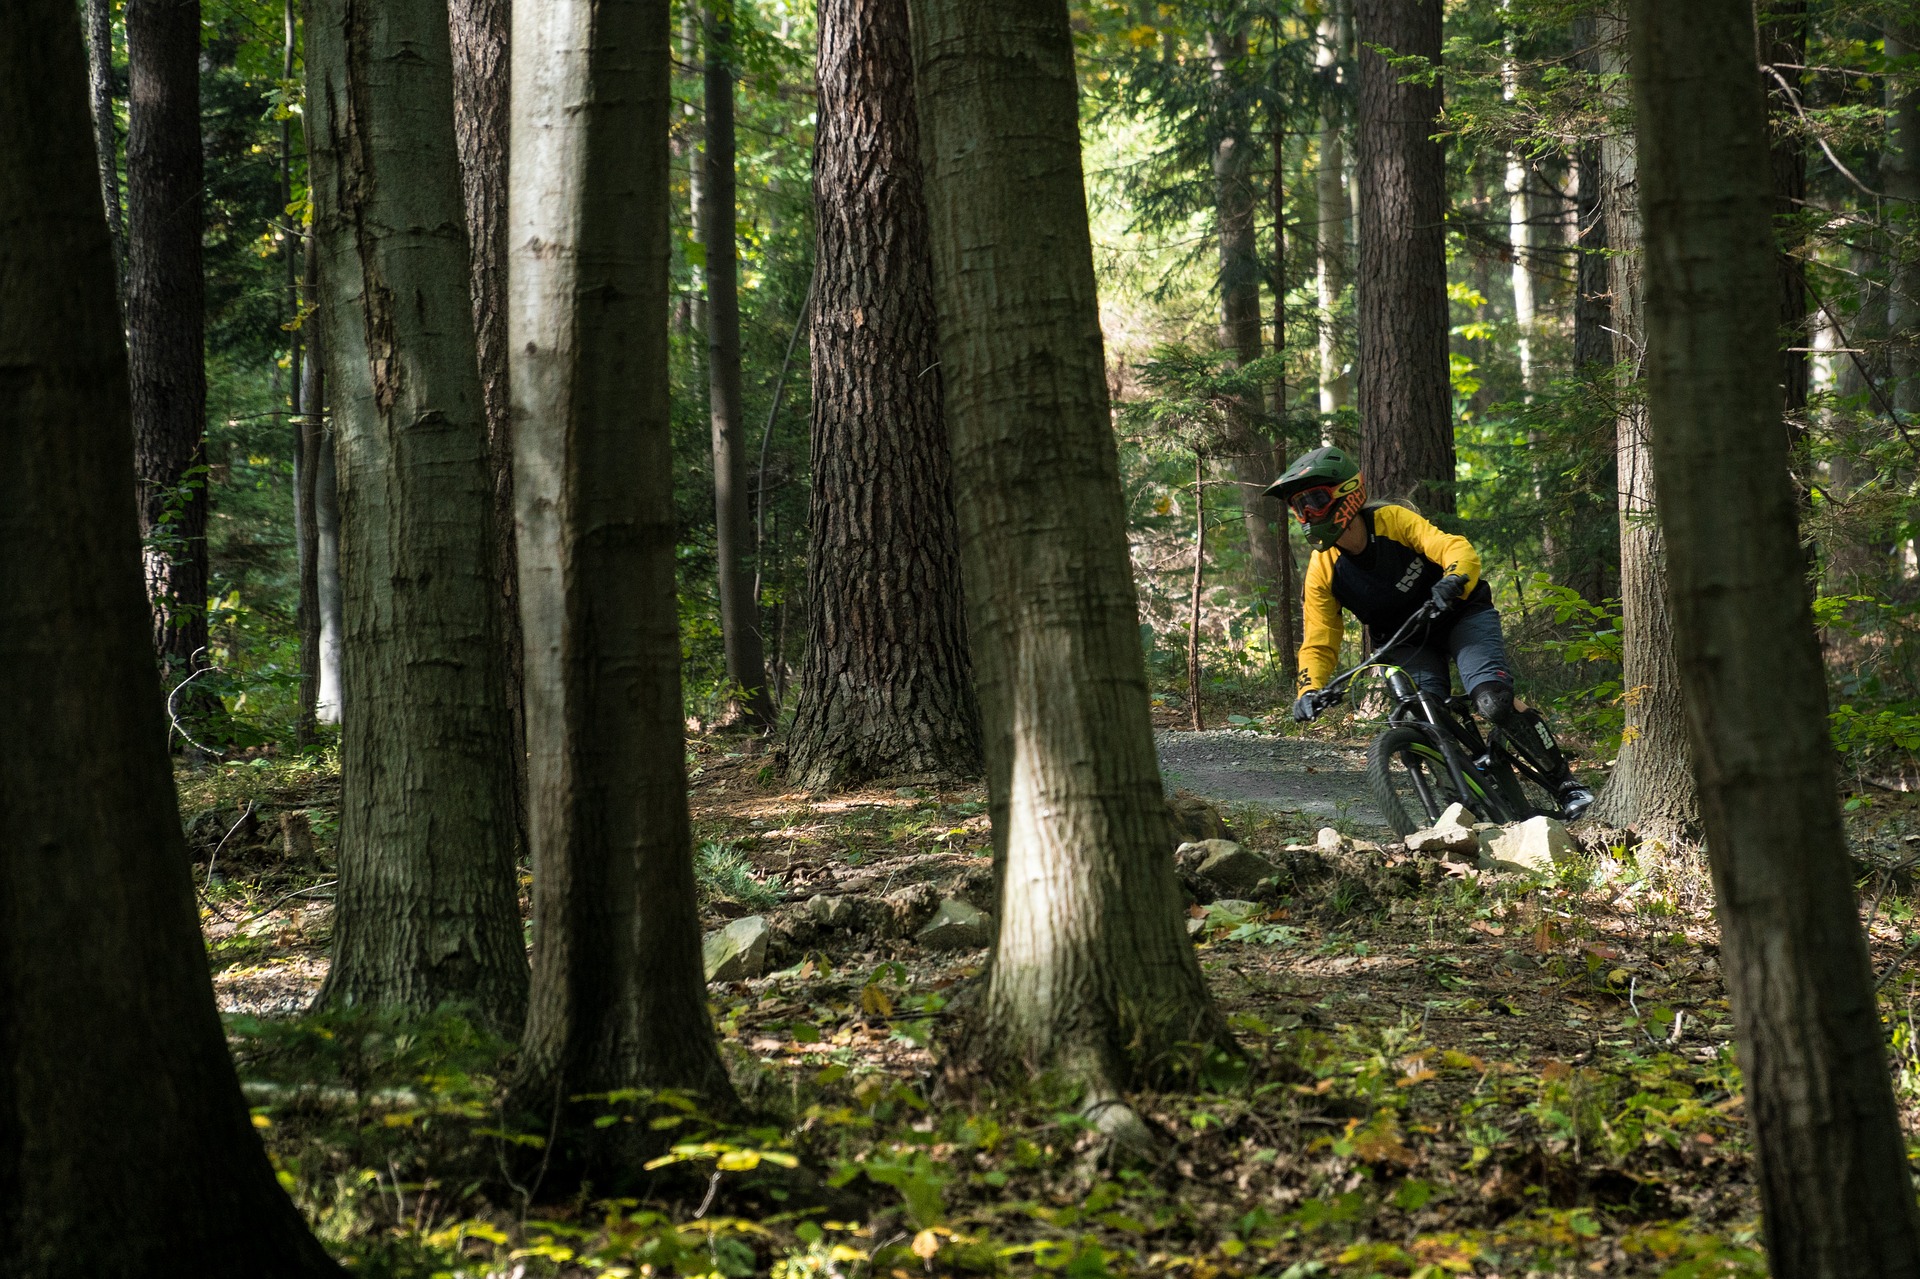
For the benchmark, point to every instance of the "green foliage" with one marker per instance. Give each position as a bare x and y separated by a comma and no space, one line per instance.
725,870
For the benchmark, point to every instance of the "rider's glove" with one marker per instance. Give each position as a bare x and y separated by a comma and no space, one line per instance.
1306,707
1447,590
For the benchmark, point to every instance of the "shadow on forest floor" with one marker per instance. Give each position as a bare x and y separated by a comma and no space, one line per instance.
1449,1071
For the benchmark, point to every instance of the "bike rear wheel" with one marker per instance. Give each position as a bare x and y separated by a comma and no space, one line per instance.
1410,781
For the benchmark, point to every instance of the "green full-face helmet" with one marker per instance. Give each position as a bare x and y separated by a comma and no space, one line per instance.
1324,490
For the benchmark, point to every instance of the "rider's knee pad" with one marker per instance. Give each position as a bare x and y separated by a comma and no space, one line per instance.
1494,701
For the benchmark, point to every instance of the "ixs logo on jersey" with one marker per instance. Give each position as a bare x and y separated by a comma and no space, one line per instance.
1411,578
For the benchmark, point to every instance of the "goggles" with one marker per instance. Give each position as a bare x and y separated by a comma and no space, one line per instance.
1311,505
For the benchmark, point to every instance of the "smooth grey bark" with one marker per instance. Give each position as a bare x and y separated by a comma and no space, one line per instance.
732,512
1406,399
1090,974
427,910
106,144
328,699
309,434
166,344
619,999
116,1090
1836,1192
886,687
1651,788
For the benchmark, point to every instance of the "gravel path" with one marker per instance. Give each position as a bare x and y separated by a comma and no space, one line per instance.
1297,774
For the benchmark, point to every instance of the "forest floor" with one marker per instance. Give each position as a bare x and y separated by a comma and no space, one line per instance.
1447,1071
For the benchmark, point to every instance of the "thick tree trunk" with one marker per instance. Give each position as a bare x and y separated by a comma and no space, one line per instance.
1332,208
166,302
1836,1194
619,1001
115,1084
1651,787
479,31
732,511
427,910
1592,309
887,687
1091,973
1283,619
106,145
1406,400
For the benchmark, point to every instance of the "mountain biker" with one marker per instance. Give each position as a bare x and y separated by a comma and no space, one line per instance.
1382,562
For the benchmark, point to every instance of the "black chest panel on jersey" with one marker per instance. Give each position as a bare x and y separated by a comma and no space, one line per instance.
1385,583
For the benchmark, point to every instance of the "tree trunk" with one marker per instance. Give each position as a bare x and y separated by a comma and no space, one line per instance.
328,589
1283,619
732,512
1406,400
1900,175
1651,787
619,999
1332,210
118,1088
1249,454
166,302
887,688
1784,46
309,433
1091,974
1836,1196
106,145
478,32
427,910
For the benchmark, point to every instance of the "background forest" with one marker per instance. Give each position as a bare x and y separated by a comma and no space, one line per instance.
516,979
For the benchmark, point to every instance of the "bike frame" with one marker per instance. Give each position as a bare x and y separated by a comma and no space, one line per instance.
1479,766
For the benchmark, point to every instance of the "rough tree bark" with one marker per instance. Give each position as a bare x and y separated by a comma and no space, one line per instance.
328,697
166,345
1651,787
732,512
619,999
1284,629
1090,973
887,688
478,32
427,910
1836,1195
1406,400
106,145
115,1084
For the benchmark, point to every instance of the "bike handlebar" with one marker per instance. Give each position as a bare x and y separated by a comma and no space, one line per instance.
1335,688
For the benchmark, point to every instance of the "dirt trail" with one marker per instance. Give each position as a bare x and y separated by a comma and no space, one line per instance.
1325,779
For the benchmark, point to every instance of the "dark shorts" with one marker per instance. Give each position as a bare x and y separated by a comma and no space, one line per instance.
1473,643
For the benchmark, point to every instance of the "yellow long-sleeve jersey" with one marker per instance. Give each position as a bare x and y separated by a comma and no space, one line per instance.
1381,585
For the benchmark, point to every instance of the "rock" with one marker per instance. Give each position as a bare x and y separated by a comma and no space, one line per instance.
1448,835
830,912
1232,867
1195,819
1329,840
737,951
1235,908
905,911
956,925
1539,846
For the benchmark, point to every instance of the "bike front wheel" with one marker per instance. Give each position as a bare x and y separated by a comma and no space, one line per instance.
1410,781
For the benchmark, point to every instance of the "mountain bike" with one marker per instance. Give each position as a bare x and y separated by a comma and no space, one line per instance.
1433,752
